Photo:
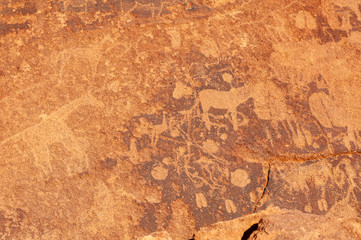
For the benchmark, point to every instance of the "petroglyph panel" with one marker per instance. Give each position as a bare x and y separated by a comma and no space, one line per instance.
156,119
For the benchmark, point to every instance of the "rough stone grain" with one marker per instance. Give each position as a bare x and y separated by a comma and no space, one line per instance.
131,119
272,224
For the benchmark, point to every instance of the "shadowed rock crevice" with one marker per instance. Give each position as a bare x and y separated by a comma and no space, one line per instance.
252,231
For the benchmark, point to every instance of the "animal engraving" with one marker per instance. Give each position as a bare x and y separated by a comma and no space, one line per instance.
223,100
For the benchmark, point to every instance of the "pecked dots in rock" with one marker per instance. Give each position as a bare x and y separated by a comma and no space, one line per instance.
159,173
230,206
201,200
240,178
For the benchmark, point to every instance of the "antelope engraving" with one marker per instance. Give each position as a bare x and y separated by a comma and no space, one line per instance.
223,100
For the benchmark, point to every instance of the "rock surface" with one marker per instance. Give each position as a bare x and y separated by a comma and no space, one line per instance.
124,119
272,224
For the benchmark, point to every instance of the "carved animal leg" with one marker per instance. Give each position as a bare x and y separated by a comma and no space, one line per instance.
206,119
234,119
155,137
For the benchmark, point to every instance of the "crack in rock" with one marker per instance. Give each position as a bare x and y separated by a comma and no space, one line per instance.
264,188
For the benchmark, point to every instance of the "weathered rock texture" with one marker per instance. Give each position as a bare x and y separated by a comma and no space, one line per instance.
282,224
123,119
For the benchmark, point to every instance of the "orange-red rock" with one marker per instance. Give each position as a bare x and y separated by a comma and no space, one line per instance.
124,119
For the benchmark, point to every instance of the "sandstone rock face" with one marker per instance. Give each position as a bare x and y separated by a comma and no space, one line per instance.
124,119
283,224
